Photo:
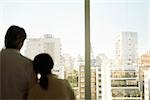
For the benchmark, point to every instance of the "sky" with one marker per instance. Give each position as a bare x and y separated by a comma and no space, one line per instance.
65,20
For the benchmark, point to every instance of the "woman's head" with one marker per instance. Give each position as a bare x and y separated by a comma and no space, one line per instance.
43,63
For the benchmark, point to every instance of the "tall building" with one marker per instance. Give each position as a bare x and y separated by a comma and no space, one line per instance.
126,48
125,84
46,44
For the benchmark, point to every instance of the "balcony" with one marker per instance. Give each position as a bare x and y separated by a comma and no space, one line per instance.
132,93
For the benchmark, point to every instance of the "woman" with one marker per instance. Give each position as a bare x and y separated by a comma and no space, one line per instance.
49,87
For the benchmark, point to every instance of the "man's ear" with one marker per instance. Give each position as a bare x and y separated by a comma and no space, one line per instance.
20,45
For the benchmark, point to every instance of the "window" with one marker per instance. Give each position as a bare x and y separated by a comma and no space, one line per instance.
120,35
52,26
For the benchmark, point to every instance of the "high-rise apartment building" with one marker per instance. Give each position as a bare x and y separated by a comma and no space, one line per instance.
46,44
125,84
126,48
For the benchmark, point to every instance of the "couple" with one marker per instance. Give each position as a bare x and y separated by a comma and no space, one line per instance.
18,74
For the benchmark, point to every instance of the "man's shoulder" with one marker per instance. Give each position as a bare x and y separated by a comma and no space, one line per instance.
25,59
28,64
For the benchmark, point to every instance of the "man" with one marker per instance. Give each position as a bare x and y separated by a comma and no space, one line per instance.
15,69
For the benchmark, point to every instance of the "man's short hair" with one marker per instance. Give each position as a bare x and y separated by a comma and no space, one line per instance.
14,36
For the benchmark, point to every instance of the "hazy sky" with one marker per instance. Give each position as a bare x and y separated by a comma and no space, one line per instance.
65,19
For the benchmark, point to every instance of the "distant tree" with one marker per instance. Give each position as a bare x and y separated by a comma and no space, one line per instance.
73,78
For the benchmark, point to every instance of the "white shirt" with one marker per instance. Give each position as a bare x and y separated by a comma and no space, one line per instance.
16,71
58,89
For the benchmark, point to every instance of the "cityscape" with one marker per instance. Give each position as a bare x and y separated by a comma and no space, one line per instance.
119,37
126,77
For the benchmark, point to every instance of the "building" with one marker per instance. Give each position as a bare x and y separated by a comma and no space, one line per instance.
100,79
147,84
144,66
125,82
81,83
106,81
68,62
46,44
126,48
145,59
103,83
98,83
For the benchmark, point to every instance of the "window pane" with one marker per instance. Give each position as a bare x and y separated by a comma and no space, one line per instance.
120,35
53,26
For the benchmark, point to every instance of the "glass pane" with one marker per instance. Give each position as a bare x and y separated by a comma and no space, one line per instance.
1,32
120,36
52,26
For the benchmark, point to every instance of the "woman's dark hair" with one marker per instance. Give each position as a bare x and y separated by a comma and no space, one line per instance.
43,63
14,36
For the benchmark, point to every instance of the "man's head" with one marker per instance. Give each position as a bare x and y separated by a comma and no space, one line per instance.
15,37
